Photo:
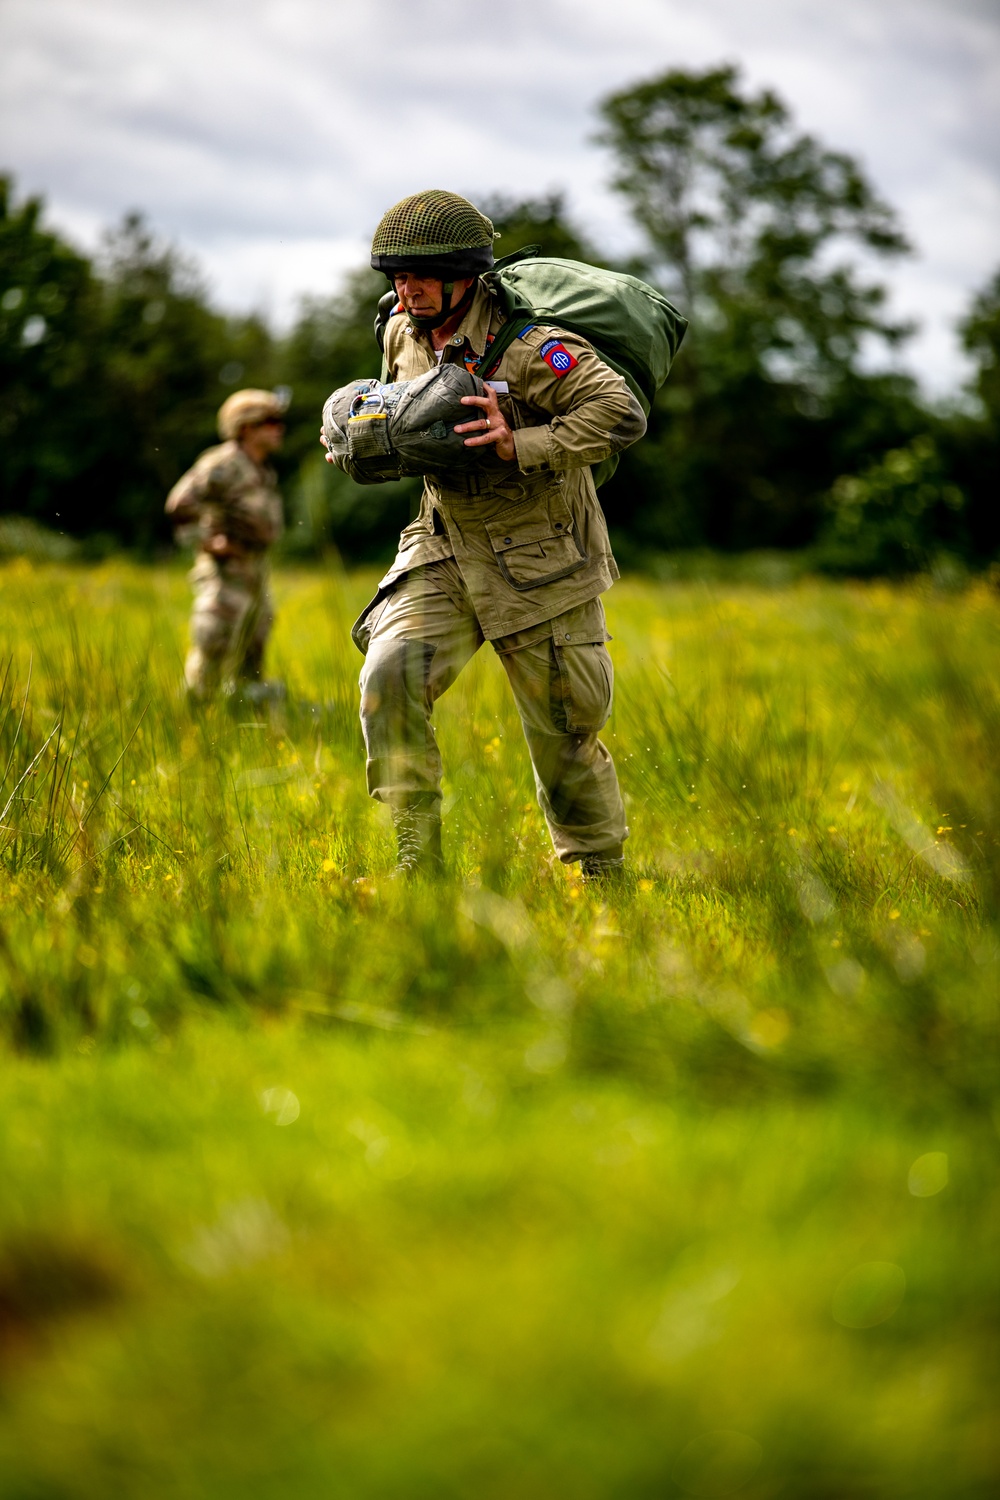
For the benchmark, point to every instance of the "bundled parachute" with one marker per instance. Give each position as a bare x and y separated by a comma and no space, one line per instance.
379,431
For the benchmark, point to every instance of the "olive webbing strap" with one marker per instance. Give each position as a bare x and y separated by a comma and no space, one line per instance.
511,330
518,318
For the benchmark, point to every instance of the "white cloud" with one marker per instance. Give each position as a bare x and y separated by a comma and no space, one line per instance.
267,136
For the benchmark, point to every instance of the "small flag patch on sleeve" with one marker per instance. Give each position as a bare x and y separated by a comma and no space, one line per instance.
557,357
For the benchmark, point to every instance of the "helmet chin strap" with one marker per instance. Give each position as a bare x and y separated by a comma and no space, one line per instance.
447,311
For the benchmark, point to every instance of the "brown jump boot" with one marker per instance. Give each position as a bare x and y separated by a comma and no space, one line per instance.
418,837
607,867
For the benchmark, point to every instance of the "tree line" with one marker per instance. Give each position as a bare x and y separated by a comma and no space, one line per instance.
783,423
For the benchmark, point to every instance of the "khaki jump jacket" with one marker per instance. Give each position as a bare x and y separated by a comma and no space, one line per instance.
226,494
528,536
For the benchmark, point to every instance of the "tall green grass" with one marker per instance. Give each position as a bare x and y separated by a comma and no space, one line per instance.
317,1184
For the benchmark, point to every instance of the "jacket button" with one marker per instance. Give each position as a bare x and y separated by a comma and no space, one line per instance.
559,526
506,541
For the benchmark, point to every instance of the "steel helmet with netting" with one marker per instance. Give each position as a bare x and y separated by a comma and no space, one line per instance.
435,233
246,408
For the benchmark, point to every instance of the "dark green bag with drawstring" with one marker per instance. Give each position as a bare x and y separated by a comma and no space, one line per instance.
631,325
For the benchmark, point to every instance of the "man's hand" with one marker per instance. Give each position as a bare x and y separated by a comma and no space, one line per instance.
220,545
491,427
327,455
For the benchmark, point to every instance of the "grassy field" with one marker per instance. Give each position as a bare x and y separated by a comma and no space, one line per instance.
319,1186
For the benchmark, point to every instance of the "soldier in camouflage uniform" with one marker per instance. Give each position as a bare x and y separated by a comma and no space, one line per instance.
229,502
516,553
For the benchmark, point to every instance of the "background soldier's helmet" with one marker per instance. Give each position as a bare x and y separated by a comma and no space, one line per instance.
436,234
245,408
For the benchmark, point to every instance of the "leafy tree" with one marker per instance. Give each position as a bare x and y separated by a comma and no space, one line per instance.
331,342
770,430
755,229
971,439
111,376
169,360
894,516
49,364
980,331
536,221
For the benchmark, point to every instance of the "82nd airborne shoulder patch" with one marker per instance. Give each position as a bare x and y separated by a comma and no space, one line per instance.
557,357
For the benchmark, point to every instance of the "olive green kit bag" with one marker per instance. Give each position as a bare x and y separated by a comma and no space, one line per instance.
631,325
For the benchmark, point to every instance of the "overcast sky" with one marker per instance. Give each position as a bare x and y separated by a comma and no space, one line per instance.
268,136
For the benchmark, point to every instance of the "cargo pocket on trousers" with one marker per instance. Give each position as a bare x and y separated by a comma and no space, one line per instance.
581,687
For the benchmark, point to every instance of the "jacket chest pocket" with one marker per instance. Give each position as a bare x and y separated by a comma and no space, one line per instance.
534,550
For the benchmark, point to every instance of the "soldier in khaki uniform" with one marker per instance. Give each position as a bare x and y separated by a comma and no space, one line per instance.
516,554
229,502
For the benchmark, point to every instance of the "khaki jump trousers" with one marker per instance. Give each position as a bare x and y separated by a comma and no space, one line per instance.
418,639
231,620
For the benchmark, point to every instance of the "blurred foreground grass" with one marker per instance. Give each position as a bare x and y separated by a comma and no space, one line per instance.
315,1186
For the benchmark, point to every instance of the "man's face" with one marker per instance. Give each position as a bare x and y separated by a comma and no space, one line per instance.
268,436
422,295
